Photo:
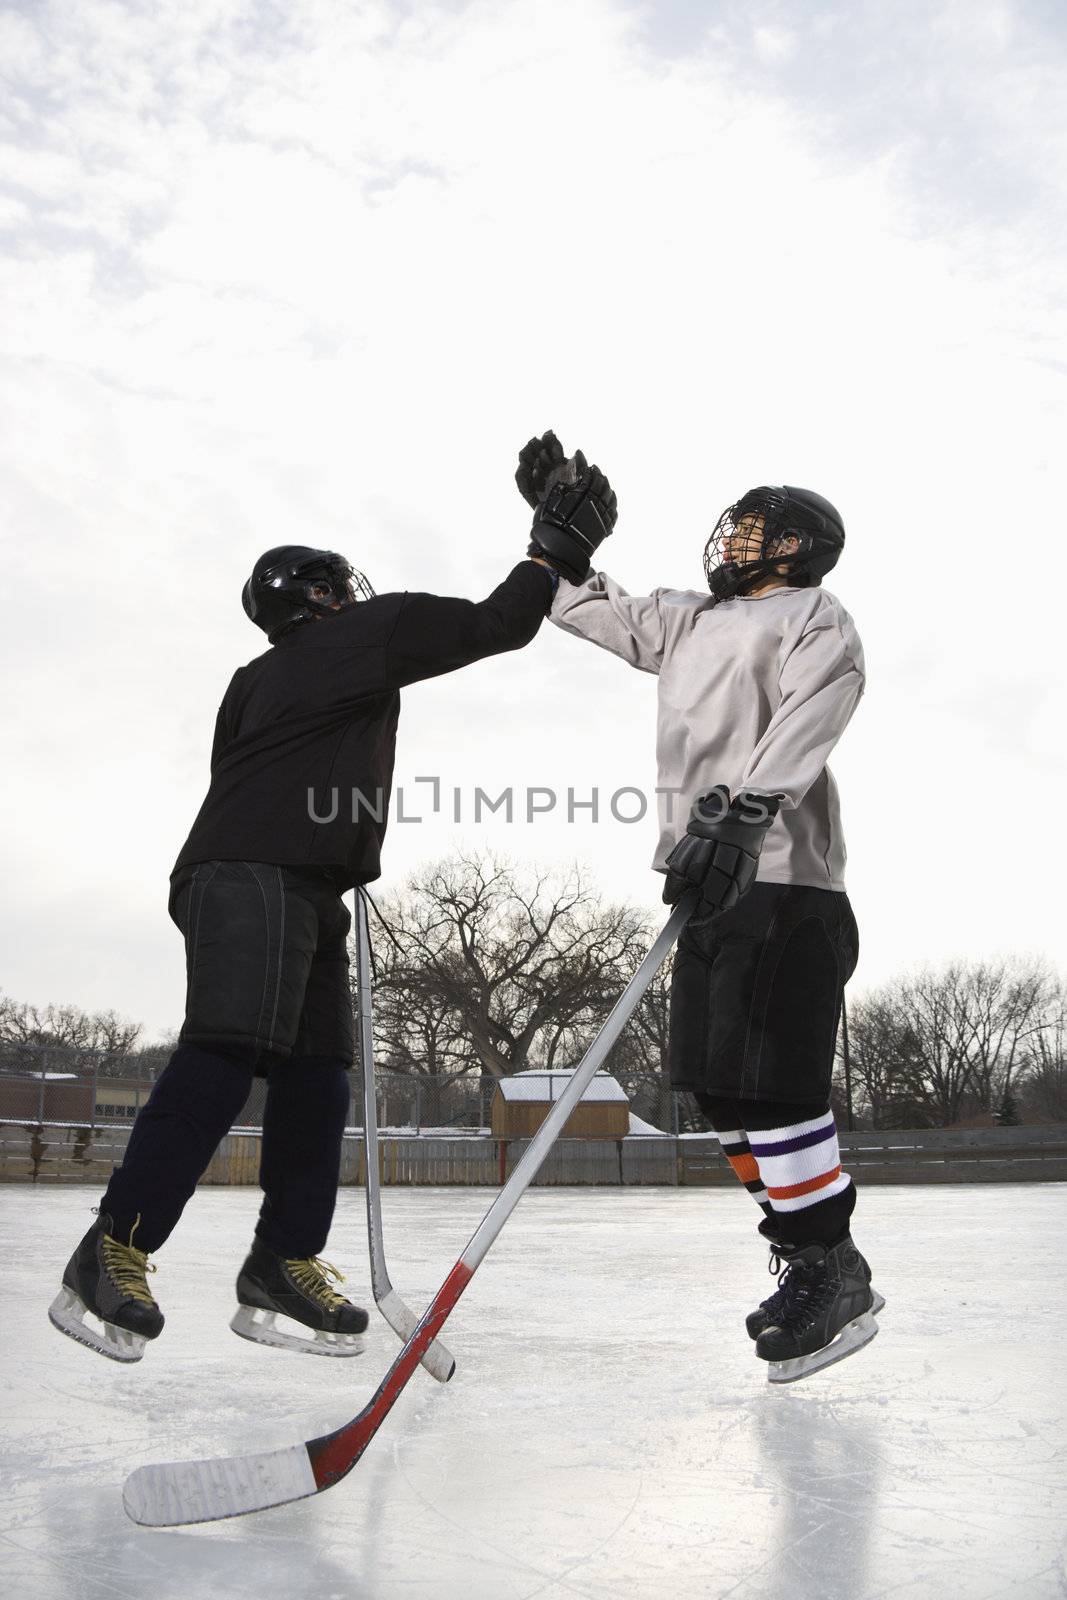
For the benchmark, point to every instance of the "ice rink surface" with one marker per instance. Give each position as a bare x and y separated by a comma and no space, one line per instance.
609,1433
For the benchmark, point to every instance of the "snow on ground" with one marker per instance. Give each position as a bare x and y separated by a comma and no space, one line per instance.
609,1433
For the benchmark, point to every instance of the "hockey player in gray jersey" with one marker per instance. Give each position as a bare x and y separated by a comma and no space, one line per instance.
757,679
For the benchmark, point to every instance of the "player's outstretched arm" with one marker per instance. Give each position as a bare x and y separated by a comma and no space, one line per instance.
589,605
437,633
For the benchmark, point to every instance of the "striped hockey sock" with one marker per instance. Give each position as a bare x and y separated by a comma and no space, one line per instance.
725,1119
800,1165
738,1152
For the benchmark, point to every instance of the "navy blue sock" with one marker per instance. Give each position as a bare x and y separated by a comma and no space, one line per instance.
192,1106
300,1164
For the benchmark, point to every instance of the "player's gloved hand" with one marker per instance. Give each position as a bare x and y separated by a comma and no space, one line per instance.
573,520
575,504
540,460
720,849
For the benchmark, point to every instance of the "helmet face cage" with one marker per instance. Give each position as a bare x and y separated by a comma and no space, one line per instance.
294,590
322,580
358,586
752,539
746,542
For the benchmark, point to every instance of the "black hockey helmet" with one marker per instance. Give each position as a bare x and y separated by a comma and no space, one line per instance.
776,514
292,583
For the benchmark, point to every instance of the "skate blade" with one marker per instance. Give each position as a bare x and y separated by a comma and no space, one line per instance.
852,1337
252,1322
68,1313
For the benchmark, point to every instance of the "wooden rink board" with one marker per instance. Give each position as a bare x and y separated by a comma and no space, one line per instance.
61,1154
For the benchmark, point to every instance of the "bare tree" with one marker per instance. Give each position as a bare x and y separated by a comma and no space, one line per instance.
1042,1077
936,1007
28,1032
640,1059
886,1060
419,1030
148,1061
941,1044
1006,1003
499,968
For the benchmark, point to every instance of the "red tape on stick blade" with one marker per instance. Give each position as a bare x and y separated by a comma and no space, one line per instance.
335,1454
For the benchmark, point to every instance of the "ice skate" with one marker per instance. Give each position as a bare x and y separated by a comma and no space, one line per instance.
105,1280
768,1311
825,1310
281,1299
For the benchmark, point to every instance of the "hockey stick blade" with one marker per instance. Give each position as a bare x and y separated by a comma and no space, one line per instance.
176,1493
438,1361
204,1491
170,1495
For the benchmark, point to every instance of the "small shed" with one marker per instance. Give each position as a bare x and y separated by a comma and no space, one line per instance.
522,1102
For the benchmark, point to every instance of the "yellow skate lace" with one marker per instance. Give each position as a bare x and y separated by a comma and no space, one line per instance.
127,1267
314,1277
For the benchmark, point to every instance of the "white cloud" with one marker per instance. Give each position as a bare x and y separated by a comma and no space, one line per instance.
773,44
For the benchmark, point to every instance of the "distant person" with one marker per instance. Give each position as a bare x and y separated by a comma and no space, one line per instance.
301,772
757,680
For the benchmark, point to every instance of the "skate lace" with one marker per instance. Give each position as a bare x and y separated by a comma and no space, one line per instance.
314,1278
127,1267
802,1292
775,1301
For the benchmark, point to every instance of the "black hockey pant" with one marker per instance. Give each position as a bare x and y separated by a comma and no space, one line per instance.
192,1107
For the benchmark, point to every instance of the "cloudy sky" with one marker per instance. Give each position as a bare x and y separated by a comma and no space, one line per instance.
313,271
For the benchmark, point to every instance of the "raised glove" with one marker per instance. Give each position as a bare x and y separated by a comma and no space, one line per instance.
541,464
573,520
720,849
575,504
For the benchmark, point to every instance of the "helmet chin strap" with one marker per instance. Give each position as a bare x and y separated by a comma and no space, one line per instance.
763,569
734,580
737,579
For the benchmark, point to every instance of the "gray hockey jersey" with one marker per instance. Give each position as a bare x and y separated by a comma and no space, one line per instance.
753,693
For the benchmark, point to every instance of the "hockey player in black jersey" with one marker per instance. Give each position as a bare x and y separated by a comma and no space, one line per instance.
301,770
757,676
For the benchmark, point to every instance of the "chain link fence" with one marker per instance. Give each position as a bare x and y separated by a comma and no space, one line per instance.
72,1088
404,1101
89,1089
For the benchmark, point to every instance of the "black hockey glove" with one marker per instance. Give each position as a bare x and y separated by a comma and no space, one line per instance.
540,460
574,520
719,851
575,505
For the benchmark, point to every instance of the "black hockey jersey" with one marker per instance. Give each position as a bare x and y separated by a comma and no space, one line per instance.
302,761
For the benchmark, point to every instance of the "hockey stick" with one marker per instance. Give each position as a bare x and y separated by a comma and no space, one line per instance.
436,1359
180,1492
